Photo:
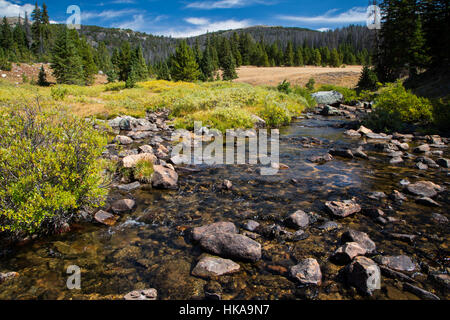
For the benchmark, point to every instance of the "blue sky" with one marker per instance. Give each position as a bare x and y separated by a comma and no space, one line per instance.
182,18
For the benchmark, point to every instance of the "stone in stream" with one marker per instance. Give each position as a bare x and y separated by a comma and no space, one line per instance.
398,263
395,274
342,209
148,294
145,149
123,206
210,267
251,225
352,133
441,279
377,195
373,213
164,178
421,293
427,202
439,218
404,182
298,219
398,196
424,189
422,148
396,160
361,238
106,218
231,245
378,136
123,140
344,153
348,251
328,97
329,226
330,111
364,274
121,123
132,160
363,130
6,276
403,237
307,272
443,162
218,227
421,166
321,159
359,153
227,184
129,187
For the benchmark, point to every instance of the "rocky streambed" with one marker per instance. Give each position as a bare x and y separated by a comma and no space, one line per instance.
352,214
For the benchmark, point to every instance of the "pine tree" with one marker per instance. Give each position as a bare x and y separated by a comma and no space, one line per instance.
228,67
103,58
140,64
4,63
89,67
66,63
206,65
7,39
124,61
184,67
317,58
368,79
132,76
298,59
335,60
162,71
36,30
42,78
289,55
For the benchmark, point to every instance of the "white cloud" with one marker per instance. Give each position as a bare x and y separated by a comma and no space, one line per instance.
323,29
107,14
202,26
8,9
354,15
226,4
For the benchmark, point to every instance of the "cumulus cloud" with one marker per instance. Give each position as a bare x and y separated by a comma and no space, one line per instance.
107,14
226,4
354,15
9,9
203,25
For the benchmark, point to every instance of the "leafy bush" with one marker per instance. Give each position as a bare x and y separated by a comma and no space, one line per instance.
143,171
305,94
285,87
395,107
276,114
310,85
48,168
59,93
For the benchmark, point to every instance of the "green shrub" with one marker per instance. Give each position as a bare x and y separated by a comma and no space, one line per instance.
48,168
143,171
395,108
368,80
275,113
441,114
285,87
59,93
306,94
310,85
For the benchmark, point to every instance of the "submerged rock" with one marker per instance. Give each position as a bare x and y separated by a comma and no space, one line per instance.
106,218
444,163
129,187
6,276
298,219
427,202
230,245
321,159
148,294
218,227
348,251
307,272
364,274
421,293
344,153
343,208
399,263
210,267
123,206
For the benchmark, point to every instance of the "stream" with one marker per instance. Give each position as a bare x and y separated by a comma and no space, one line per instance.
151,247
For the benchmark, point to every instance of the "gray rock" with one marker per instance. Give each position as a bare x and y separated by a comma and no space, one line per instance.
210,267
396,160
421,166
129,187
343,209
123,140
218,227
148,294
298,219
348,251
439,218
230,245
145,149
328,97
403,237
424,189
398,263
443,162
427,202
363,130
395,274
398,196
329,226
330,111
123,206
321,159
359,153
164,178
307,272
344,153
377,136
352,133
251,225
105,218
422,148
361,238
121,123
364,274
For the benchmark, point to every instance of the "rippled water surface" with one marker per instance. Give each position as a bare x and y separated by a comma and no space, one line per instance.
150,248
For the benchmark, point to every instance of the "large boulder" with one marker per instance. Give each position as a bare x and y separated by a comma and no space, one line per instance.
364,274
210,267
307,272
342,209
230,245
328,97
165,178
121,123
223,227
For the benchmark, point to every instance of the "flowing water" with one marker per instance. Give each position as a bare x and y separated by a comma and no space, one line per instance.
151,248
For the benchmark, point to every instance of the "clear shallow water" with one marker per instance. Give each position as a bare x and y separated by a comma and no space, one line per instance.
151,247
